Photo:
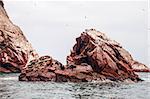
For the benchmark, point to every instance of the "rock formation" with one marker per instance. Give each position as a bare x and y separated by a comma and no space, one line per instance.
41,69
104,55
94,58
15,50
103,47
139,67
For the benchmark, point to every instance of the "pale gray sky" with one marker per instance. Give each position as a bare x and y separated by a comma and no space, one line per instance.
52,27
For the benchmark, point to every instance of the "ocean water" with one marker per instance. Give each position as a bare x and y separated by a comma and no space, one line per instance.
11,88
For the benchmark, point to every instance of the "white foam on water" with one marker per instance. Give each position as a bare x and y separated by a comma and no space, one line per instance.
9,78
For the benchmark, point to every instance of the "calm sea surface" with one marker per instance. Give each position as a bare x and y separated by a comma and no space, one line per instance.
11,88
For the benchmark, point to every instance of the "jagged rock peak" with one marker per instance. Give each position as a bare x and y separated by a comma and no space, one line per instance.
1,3
2,9
98,36
15,50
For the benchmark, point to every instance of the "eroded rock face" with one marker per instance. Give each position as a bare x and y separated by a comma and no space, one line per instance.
15,50
94,58
105,56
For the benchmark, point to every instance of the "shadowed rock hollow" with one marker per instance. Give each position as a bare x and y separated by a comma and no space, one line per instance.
15,50
94,58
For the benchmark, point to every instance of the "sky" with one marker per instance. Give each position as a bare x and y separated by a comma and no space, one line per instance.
52,26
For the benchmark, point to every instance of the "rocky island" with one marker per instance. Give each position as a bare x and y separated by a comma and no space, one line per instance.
94,57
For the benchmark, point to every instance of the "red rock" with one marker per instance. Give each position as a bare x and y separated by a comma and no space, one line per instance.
15,50
94,58
139,67
105,56
41,69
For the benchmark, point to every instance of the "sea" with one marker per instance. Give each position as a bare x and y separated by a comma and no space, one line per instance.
11,88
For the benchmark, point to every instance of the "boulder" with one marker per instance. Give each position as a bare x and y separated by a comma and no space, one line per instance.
15,50
94,57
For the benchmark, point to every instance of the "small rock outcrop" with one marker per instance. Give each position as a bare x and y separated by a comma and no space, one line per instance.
139,67
94,58
15,50
44,68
